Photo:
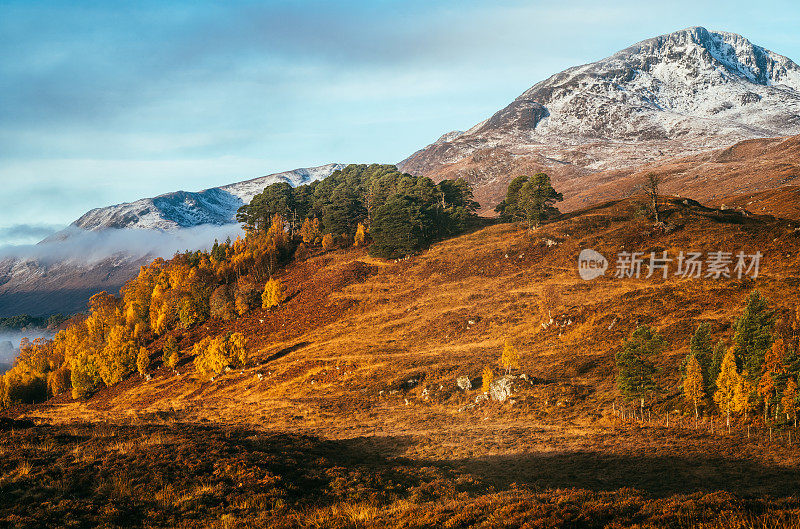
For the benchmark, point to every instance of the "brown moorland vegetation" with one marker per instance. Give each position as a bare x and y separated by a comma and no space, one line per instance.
752,174
347,411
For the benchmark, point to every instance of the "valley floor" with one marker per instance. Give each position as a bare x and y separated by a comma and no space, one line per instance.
485,472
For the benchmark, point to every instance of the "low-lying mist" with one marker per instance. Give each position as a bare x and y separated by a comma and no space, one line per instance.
76,248
10,340
75,245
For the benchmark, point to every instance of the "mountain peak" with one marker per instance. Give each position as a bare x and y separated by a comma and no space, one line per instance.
682,92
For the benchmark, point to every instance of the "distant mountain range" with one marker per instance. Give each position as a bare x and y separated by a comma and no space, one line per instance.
182,209
104,248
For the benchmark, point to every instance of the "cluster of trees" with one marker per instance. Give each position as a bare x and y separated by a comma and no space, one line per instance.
757,371
214,355
111,343
400,213
530,199
26,321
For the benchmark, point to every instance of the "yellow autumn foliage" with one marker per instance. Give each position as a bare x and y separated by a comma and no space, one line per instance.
213,355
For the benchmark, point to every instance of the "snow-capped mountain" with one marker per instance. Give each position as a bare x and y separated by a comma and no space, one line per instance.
104,248
684,92
183,209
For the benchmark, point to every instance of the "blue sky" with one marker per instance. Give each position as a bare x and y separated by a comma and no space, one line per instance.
106,102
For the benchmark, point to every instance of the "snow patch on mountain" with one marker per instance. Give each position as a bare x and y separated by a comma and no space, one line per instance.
184,209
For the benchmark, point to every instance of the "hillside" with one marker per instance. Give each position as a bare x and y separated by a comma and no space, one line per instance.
673,95
754,174
354,377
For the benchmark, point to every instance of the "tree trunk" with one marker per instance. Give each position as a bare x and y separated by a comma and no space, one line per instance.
654,201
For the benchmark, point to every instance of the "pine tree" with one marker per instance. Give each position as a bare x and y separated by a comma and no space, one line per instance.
727,383
536,198
509,208
510,358
753,334
703,351
402,226
693,384
635,370
276,199
716,364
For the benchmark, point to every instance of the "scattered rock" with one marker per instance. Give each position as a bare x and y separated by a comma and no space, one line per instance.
464,383
481,398
501,388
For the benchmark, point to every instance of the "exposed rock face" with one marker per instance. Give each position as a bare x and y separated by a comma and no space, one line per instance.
463,382
671,95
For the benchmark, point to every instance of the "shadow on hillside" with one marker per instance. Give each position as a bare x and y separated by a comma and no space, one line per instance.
233,465
657,476
285,351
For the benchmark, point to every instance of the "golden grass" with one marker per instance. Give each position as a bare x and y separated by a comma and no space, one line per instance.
389,454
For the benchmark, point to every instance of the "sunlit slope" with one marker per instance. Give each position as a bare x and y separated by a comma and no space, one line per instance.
368,343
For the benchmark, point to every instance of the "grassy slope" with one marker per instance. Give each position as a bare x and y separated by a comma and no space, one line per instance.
334,357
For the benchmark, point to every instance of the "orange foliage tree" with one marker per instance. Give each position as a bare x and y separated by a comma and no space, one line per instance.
273,294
